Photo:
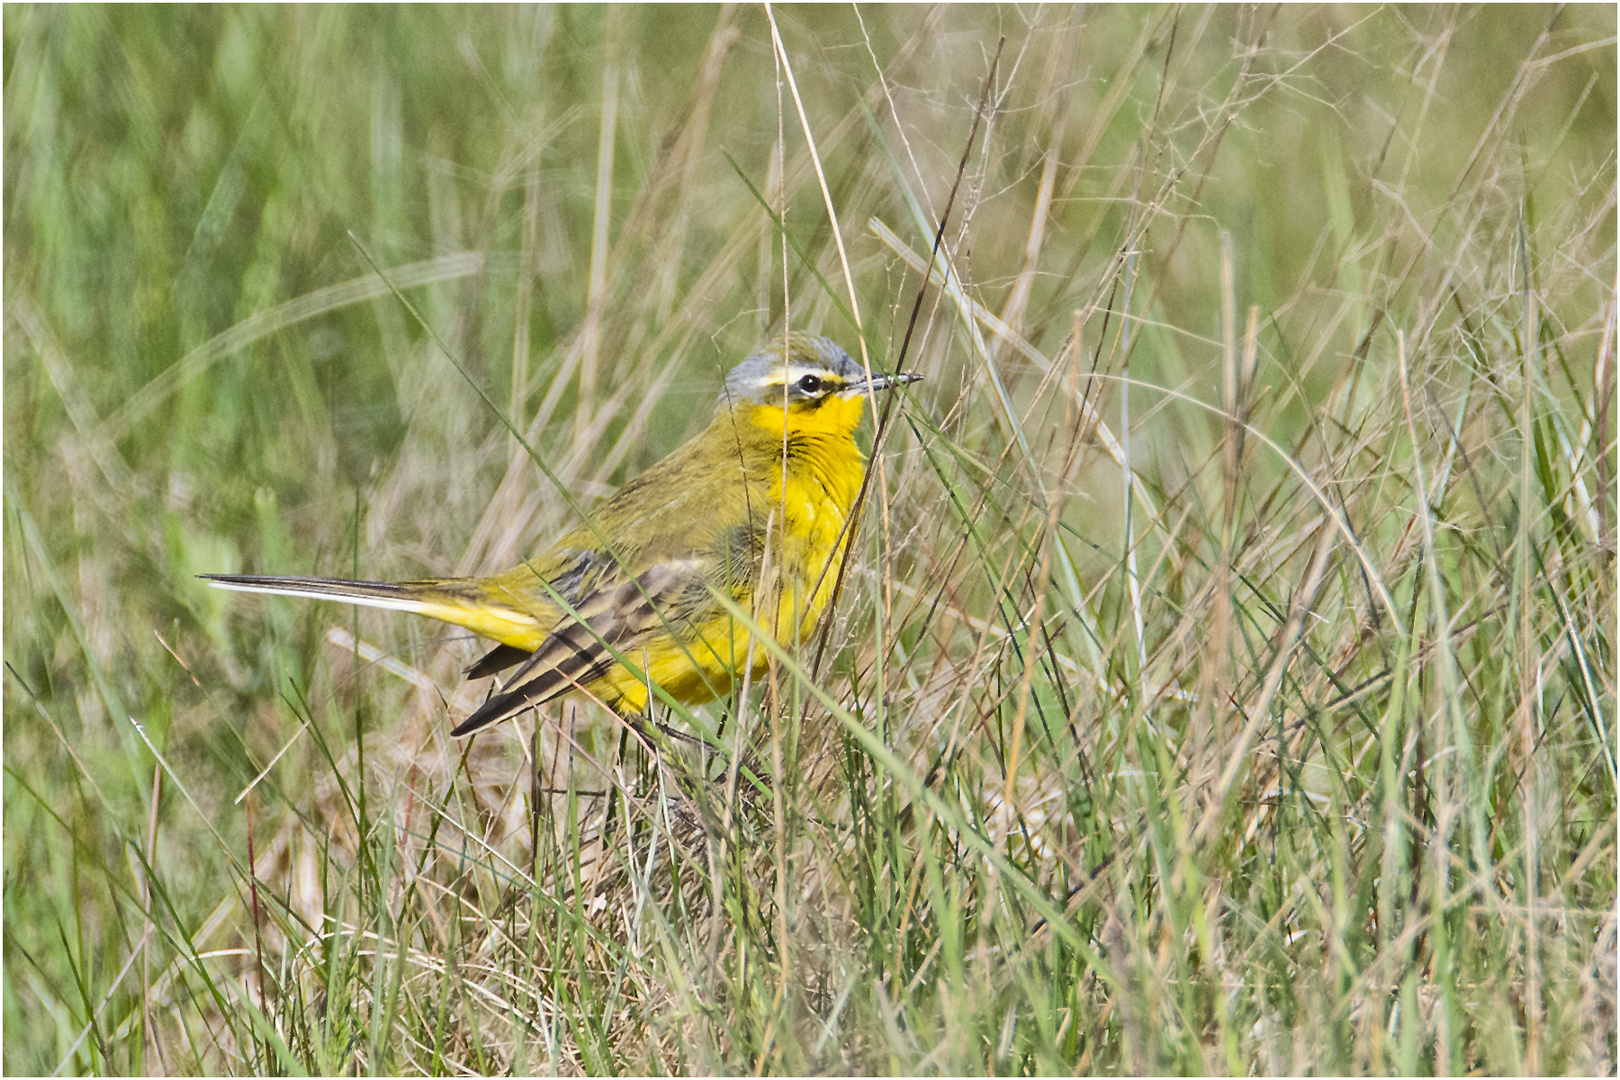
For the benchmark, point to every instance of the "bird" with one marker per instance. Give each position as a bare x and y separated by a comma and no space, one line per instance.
755,508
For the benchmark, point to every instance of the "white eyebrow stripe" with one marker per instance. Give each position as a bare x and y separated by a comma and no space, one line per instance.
796,371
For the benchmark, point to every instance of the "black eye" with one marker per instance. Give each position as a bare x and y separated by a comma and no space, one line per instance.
810,384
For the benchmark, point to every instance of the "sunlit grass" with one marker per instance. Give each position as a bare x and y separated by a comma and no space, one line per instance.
1225,679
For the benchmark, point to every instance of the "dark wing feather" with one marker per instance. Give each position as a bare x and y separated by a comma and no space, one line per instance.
578,652
555,668
499,658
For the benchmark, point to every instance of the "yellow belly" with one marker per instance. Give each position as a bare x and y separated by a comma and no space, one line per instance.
803,570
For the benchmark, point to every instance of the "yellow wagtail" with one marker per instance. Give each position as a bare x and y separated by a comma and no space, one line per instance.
765,490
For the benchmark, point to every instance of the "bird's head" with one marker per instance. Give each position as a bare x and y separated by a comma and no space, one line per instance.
806,386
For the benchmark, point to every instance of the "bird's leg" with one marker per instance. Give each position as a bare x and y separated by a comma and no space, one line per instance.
679,736
638,728
643,725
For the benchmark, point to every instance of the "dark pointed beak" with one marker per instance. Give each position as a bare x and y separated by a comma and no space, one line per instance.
880,381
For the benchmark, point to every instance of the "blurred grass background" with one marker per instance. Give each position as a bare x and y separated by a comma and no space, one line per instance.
1225,681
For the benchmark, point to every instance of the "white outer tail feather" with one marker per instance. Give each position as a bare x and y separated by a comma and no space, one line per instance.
329,592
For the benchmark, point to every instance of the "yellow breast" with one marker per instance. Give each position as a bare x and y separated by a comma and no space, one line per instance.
820,475
816,471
